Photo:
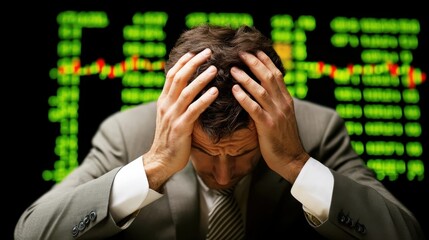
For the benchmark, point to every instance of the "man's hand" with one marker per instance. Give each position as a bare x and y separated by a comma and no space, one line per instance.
273,113
176,115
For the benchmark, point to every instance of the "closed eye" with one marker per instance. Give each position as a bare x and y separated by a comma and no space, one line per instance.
212,155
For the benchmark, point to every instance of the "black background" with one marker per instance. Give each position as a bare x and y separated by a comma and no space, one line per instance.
35,140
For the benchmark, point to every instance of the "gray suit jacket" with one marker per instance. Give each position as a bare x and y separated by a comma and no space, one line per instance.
361,207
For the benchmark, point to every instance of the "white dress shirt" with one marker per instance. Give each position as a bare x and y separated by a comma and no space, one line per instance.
130,192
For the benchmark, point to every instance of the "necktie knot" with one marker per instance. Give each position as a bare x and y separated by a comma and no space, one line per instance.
225,192
225,220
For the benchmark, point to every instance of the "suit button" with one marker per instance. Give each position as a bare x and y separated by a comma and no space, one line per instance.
349,221
92,216
86,219
75,231
341,217
360,228
81,226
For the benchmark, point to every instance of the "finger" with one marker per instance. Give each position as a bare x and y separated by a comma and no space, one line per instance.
180,79
198,106
253,108
257,91
196,86
278,76
262,72
172,72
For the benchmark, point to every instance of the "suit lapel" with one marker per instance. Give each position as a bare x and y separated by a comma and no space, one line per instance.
182,191
266,190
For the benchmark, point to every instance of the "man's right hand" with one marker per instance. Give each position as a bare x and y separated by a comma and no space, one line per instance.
176,116
273,112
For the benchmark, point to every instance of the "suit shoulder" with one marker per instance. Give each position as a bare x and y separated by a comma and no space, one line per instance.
131,120
135,126
143,111
305,106
312,117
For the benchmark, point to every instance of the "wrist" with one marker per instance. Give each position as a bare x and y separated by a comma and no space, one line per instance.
157,173
291,169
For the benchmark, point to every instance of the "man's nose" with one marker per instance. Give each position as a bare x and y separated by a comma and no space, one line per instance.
223,170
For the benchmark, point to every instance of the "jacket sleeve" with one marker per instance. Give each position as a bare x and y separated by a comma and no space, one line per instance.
78,205
361,206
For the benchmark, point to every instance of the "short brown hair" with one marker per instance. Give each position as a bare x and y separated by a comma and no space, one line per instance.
224,115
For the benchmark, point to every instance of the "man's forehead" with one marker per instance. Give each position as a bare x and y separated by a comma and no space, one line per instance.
239,138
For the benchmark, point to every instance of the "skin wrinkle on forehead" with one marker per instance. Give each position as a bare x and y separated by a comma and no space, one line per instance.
239,153
240,142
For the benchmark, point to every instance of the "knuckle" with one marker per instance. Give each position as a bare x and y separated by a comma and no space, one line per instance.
262,93
270,76
192,108
177,78
176,128
169,74
253,62
198,82
248,80
256,109
162,108
263,56
278,74
193,64
186,94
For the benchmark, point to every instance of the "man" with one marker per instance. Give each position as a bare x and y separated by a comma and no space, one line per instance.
224,119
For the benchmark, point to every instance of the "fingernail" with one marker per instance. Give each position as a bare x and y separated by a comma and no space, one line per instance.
213,90
235,88
211,69
207,51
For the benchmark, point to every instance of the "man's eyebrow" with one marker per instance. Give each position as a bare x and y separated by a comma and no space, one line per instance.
201,150
245,152
241,154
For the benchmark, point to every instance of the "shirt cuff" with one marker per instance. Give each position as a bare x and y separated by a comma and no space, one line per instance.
130,191
313,188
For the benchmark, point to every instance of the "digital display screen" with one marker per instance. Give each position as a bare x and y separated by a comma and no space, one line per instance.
369,65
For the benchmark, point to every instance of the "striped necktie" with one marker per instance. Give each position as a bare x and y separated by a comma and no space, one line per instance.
225,221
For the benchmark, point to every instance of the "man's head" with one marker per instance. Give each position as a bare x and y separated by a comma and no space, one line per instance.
225,115
225,145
